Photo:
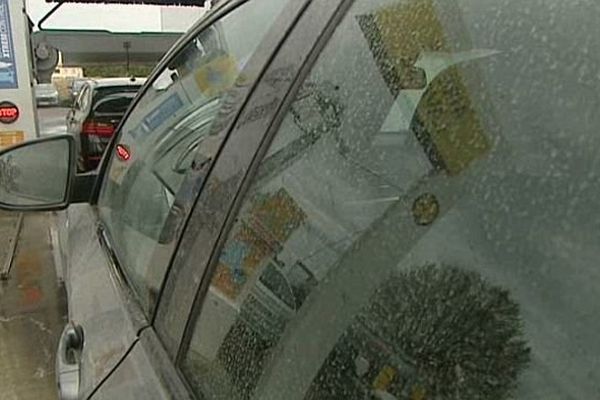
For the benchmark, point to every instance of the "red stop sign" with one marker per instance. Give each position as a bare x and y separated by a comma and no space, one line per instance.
9,112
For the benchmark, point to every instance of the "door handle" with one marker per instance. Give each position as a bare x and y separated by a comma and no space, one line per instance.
68,356
73,343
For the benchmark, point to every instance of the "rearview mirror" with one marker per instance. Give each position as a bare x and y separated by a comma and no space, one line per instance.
37,175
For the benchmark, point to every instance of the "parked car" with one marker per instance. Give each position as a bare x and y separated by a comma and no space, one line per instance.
46,95
96,113
331,199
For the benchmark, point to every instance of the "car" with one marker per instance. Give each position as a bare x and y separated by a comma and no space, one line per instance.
46,95
95,114
332,199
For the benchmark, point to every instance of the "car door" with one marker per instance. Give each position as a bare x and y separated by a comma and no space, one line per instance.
149,369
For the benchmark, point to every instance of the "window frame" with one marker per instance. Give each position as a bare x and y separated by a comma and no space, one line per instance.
310,35
235,99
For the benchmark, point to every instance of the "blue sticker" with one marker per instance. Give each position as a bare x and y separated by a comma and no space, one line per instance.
164,111
8,67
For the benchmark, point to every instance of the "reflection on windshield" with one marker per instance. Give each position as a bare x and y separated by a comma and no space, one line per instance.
430,332
436,178
275,282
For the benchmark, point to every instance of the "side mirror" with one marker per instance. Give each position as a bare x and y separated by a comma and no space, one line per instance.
37,175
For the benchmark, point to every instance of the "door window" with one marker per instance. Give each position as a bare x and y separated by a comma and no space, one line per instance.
425,223
167,133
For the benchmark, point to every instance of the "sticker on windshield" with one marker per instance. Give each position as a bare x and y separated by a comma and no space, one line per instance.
216,76
260,236
163,112
409,46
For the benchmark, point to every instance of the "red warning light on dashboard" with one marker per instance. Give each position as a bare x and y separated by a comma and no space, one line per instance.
9,112
123,152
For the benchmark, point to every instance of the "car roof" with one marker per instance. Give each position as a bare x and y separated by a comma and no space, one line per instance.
108,82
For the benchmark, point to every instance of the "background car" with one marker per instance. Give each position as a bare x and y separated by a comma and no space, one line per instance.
95,114
46,94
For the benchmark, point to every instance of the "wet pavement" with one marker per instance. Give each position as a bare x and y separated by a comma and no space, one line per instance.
32,314
10,227
52,120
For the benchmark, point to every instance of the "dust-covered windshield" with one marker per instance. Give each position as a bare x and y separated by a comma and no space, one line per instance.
438,175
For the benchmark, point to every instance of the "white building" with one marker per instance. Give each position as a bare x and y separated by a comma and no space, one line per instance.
179,19
115,17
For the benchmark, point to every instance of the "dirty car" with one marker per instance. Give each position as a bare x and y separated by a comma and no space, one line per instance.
334,199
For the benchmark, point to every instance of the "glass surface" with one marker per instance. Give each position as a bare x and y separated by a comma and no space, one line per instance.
169,128
105,91
36,174
114,104
450,226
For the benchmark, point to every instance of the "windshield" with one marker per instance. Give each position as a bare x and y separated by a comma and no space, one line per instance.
438,176
114,104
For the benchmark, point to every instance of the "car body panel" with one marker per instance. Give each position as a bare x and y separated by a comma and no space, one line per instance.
146,373
97,301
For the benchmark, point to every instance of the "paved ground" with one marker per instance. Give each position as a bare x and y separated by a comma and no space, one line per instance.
32,303
9,228
32,314
52,120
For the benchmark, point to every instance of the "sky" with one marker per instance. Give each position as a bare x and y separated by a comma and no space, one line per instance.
116,18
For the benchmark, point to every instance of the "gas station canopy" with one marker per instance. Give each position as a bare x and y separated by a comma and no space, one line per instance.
93,47
86,47
198,3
